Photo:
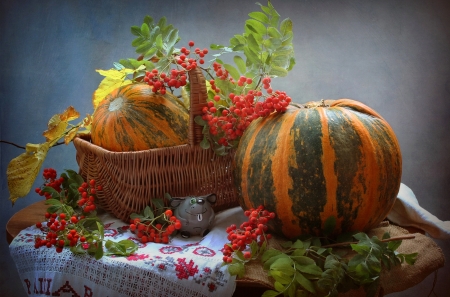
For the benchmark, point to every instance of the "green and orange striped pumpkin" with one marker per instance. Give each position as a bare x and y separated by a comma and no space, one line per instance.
337,158
133,118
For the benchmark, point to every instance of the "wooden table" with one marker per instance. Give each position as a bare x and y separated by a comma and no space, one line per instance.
25,218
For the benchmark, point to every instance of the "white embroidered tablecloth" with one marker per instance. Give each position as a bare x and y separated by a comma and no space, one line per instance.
184,267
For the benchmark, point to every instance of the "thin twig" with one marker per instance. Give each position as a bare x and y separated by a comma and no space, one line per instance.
11,143
22,147
409,236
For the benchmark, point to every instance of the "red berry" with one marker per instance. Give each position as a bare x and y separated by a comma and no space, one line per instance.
191,43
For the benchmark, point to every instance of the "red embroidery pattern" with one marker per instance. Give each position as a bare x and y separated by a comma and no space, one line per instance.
137,257
204,251
185,270
170,249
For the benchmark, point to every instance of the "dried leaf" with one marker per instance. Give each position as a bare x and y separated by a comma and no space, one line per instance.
23,170
58,124
71,135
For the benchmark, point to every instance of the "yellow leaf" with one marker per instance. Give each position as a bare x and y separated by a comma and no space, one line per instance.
69,114
58,124
113,79
23,170
186,98
71,135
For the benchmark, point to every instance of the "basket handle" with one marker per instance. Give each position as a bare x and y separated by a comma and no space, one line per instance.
198,100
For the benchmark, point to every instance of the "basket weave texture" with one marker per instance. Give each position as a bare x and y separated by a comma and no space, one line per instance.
130,180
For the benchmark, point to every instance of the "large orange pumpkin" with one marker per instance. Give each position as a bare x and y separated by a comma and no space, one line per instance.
337,159
133,118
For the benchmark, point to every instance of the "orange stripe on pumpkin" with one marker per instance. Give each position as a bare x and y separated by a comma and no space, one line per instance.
369,170
245,165
329,174
283,158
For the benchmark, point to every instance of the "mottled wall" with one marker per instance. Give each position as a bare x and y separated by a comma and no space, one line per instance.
392,55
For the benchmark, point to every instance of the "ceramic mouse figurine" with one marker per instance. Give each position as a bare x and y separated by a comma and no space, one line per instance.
195,214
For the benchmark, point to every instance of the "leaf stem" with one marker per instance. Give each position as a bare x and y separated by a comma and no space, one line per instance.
402,237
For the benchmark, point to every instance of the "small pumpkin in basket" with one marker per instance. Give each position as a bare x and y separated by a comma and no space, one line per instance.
335,158
133,118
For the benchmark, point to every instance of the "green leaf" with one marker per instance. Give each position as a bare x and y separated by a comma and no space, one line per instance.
303,260
298,252
145,30
270,293
272,259
200,121
99,250
283,264
122,248
273,32
136,31
360,248
269,254
393,245
251,56
281,276
411,258
236,268
256,27
216,46
148,20
259,16
148,213
305,283
172,38
312,269
278,286
253,44
53,202
144,47
278,71
286,26
298,244
53,208
158,203
162,22
240,63
204,144
159,42
150,53
283,61
233,71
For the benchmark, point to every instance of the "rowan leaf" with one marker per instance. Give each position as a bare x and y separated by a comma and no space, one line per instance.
23,170
305,283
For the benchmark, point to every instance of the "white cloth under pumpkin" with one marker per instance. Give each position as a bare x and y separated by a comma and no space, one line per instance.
184,267
408,213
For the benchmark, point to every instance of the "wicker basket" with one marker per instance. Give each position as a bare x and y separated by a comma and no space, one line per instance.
131,179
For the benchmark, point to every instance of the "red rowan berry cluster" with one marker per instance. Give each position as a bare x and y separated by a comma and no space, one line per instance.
88,192
253,230
50,180
175,78
66,210
228,123
155,229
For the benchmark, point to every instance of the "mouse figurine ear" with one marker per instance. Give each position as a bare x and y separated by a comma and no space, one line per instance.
211,198
176,201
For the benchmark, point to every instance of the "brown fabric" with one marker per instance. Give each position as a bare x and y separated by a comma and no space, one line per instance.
429,259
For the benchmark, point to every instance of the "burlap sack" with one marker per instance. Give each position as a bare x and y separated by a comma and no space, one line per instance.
429,259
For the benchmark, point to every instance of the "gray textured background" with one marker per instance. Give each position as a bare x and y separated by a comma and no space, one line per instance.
392,55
